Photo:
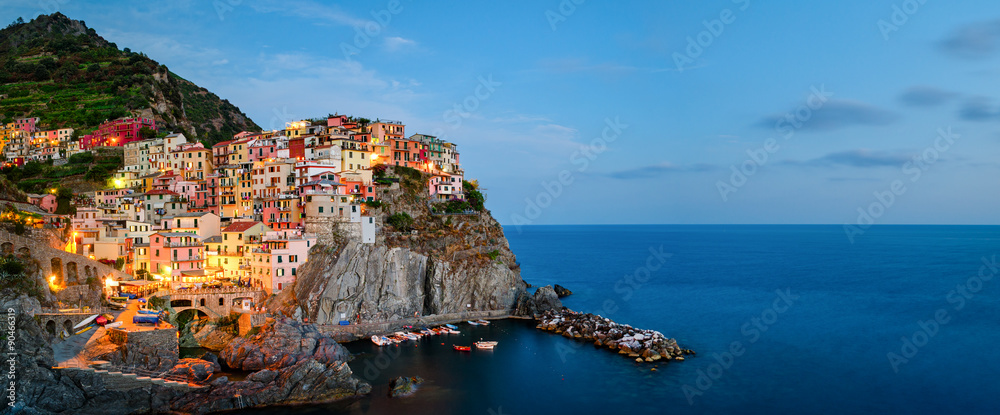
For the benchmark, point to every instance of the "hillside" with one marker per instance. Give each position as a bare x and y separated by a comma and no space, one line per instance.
63,72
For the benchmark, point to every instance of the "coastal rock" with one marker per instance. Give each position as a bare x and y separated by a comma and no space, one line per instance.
282,344
391,283
544,299
293,364
44,390
197,369
306,382
561,291
404,386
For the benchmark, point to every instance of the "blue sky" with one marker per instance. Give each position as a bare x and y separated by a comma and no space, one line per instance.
551,75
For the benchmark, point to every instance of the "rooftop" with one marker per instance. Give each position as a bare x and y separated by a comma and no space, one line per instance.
240,226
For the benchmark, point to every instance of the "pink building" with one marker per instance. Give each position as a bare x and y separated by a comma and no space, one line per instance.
28,125
117,133
46,202
275,264
177,256
263,149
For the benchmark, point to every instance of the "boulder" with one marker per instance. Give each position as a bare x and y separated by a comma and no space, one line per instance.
404,386
195,369
561,291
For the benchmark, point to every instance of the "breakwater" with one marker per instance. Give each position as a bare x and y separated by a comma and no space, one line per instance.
639,344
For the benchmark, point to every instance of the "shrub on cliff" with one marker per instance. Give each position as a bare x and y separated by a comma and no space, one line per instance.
475,198
402,221
13,277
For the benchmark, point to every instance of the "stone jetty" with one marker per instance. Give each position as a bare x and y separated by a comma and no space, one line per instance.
641,345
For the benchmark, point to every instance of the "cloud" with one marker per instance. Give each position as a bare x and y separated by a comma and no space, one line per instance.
979,109
318,13
925,96
834,115
973,41
579,65
220,62
658,170
863,158
395,43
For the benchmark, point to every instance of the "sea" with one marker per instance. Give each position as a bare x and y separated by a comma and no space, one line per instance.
784,319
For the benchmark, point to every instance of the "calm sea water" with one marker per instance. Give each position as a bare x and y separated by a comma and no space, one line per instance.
822,347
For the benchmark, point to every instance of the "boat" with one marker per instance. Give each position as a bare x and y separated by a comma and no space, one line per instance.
101,320
149,312
113,325
451,326
84,329
474,323
85,321
380,340
485,345
461,348
483,322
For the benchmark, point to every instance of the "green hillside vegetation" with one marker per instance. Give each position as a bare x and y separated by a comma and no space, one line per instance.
59,70
94,168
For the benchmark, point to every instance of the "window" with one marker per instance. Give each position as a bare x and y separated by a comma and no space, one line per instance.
320,209
279,259
222,301
293,272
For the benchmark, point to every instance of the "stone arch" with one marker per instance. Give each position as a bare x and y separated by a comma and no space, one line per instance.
24,252
71,273
87,272
7,248
57,269
197,314
68,326
183,302
50,327
222,302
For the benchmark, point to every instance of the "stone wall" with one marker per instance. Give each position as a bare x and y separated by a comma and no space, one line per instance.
248,321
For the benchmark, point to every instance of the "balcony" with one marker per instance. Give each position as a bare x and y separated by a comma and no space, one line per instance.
182,244
192,258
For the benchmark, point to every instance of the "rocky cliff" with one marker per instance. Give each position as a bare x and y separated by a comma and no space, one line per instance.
440,264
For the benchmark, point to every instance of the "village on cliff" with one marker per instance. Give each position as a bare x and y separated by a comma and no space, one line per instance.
245,212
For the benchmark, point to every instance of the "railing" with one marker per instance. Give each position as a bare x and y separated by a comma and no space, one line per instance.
182,244
191,258
223,290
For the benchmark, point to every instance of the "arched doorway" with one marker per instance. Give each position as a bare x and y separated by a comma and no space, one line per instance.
50,327
71,275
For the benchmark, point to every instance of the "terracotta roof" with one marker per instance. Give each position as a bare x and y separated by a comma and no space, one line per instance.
240,226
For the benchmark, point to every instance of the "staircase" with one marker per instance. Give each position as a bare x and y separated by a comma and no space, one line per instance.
116,379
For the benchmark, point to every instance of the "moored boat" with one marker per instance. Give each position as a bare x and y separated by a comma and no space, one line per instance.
380,340
474,323
485,345
483,322
462,348
85,321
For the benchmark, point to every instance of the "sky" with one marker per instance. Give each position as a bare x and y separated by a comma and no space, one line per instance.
594,112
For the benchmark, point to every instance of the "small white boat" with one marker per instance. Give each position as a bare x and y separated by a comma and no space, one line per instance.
474,323
113,325
485,345
85,321
380,340
483,322
451,326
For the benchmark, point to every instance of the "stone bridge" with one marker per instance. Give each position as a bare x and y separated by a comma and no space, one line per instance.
69,268
213,302
55,323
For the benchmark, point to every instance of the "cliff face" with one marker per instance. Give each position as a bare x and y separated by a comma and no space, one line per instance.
387,283
440,264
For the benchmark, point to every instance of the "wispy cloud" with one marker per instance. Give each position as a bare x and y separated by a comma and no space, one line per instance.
836,114
863,158
319,13
580,65
659,170
973,41
925,96
979,109
396,43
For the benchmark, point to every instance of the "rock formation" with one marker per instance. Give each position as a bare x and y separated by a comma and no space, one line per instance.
196,369
544,299
404,386
292,363
562,291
